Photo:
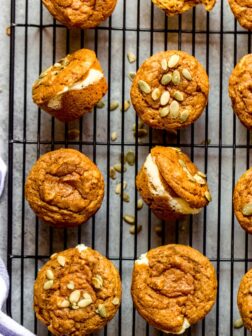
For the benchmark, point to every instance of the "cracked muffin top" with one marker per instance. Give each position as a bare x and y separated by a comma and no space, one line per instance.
173,7
240,85
64,188
170,90
242,10
173,287
80,13
77,292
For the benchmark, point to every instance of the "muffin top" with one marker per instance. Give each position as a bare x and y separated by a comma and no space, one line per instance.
240,83
77,292
73,72
173,7
170,90
64,187
80,13
243,201
173,287
244,299
242,10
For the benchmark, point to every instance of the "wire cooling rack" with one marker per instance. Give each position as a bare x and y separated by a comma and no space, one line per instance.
217,143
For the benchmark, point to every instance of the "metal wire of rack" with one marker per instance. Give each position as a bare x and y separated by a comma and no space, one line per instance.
36,42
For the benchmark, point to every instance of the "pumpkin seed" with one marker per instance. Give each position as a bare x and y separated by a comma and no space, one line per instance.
75,306
131,57
201,174
113,105
100,104
48,284
132,75
85,303
129,219
182,163
174,109
164,64
155,94
144,87
199,179
126,197
178,96
164,112
73,134
139,204
208,196
142,132
116,301
238,323
133,230
97,281
64,304
173,61
166,79
61,260
176,77
130,158
186,73
70,285
49,274
184,116
125,106
114,136
118,167
75,296
164,98
247,209
112,173
118,188
102,310
53,255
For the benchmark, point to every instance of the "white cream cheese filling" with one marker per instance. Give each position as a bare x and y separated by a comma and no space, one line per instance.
158,188
142,260
185,326
93,77
81,247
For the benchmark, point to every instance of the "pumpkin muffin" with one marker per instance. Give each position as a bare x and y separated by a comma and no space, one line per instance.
242,10
64,188
171,184
77,292
173,287
174,7
80,13
244,300
242,200
170,90
71,87
240,83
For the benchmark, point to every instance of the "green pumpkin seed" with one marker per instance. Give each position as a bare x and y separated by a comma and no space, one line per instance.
199,179
176,77
100,104
208,196
132,75
130,158
247,209
155,94
174,109
164,64
112,173
101,310
166,79
133,229
164,112
118,167
186,73
131,57
139,204
184,116
178,96
97,281
113,105
114,136
126,106
144,87
164,99
238,323
142,132
126,197
73,134
173,61
116,301
129,219
201,174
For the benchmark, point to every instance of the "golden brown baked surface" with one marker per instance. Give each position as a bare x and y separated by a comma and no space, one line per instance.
55,90
170,90
77,292
240,83
242,200
180,180
173,7
244,299
178,284
242,10
80,13
64,188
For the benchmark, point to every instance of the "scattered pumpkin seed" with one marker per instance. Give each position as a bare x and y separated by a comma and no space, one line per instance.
102,310
125,106
75,306
49,274
199,179
130,158
173,61
100,104
97,281
73,134
61,260
166,79
118,167
178,96
118,189
85,303
176,77
164,112
64,304
116,301
184,116
131,57
126,197
113,105
247,209
208,196
142,132
114,136
132,229
70,285
186,73
112,173
158,230
139,204
75,296
129,219
48,284
8,31
53,255
174,109
155,94
132,75
144,87
164,64
238,323
201,174
164,99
